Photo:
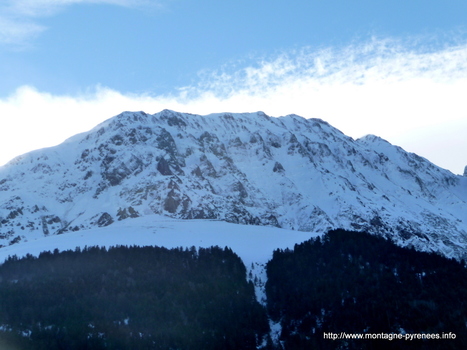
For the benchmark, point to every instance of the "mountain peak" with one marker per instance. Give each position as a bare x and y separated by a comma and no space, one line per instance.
370,138
245,168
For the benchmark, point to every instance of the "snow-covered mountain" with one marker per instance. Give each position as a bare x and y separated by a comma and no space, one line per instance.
289,172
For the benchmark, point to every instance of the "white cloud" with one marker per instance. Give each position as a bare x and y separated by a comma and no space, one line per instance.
410,97
18,17
17,31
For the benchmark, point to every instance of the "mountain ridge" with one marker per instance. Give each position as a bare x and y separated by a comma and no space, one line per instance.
246,168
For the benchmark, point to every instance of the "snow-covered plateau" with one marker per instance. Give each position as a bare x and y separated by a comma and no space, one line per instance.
253,244
248,181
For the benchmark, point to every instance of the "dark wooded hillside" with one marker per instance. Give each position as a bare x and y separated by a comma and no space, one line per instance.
359,283
130,298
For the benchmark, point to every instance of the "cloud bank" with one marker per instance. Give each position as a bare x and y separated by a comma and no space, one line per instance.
411,96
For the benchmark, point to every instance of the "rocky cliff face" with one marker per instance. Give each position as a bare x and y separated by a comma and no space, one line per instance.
248,168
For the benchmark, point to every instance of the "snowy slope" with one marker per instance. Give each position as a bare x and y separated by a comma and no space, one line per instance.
253,244
287,172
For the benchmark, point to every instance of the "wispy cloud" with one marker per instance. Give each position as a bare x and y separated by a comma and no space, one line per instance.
39,8
16,31
384,87
411,96
19,18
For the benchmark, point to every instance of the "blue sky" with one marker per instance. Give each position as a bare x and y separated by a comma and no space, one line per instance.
397,69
